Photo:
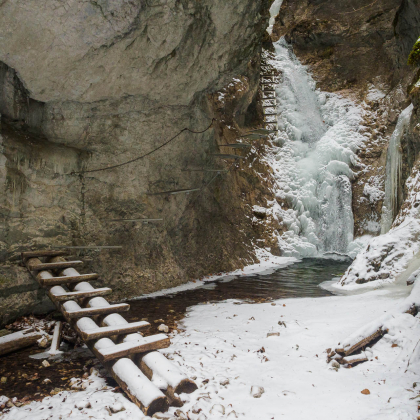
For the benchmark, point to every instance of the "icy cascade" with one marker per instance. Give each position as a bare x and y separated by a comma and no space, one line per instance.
274,11
311,158
394,171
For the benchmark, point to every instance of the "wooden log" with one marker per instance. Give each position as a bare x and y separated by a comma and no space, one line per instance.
88,329
125,349
61,295
362,343
18,340
56,340
53,265
155,363
353,360
141,391
72,310
46,279
45,253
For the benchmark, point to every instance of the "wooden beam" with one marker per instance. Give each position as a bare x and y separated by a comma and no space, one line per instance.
46,253
64,296
152,342
54,281
79,313
55,344
173,192
101,332
54,265
224,156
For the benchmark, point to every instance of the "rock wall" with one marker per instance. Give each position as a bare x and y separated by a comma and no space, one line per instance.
87,85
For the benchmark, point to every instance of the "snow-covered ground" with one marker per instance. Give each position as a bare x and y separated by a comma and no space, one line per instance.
227,348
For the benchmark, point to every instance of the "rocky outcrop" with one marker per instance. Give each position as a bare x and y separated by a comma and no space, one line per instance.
87,85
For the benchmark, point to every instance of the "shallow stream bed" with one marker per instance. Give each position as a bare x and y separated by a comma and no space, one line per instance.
26,376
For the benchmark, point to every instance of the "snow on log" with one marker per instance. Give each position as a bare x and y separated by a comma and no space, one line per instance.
162,372
135,383
18,340
382,325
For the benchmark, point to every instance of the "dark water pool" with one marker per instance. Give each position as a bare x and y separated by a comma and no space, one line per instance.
26,376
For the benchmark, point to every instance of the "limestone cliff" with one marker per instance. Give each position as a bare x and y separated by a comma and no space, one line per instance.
91,84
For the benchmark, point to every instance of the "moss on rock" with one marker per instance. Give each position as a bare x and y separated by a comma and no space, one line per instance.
414,57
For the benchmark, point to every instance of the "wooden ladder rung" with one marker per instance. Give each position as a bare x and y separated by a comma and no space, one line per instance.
62,297
47,253
54,265
101,332
79,313
153,342
56,281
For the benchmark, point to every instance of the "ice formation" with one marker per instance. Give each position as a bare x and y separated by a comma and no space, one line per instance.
319,134
394,171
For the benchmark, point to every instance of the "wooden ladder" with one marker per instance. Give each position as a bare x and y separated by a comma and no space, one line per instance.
268,82
129,357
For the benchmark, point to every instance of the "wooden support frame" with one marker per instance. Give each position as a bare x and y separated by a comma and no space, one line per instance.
130,378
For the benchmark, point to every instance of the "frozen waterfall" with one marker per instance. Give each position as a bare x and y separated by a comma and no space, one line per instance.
394,171
319,134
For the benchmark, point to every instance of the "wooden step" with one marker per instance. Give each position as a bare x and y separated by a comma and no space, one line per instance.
236,145
62,297
46,253
101,332
56,281
79,313
153,342
54,265
223,156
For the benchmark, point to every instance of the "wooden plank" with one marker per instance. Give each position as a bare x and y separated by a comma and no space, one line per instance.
153,342
236,145
80,295
55,344
45,253
18,340
101,332
90,247
54,265
55,281
173,192
120,307
225,156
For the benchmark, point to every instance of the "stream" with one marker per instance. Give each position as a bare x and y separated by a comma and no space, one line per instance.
28,378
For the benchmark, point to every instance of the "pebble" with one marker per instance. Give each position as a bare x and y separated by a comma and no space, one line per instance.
257,391
45,363
3,380
365,392
273,334
159,321
163,328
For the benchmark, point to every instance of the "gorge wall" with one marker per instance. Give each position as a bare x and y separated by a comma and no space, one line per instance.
87,85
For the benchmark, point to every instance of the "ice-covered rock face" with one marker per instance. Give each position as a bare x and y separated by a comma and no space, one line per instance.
318,137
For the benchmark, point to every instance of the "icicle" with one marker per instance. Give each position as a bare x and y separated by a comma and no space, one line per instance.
394,171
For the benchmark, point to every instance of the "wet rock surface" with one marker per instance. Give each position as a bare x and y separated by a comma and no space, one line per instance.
101,83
